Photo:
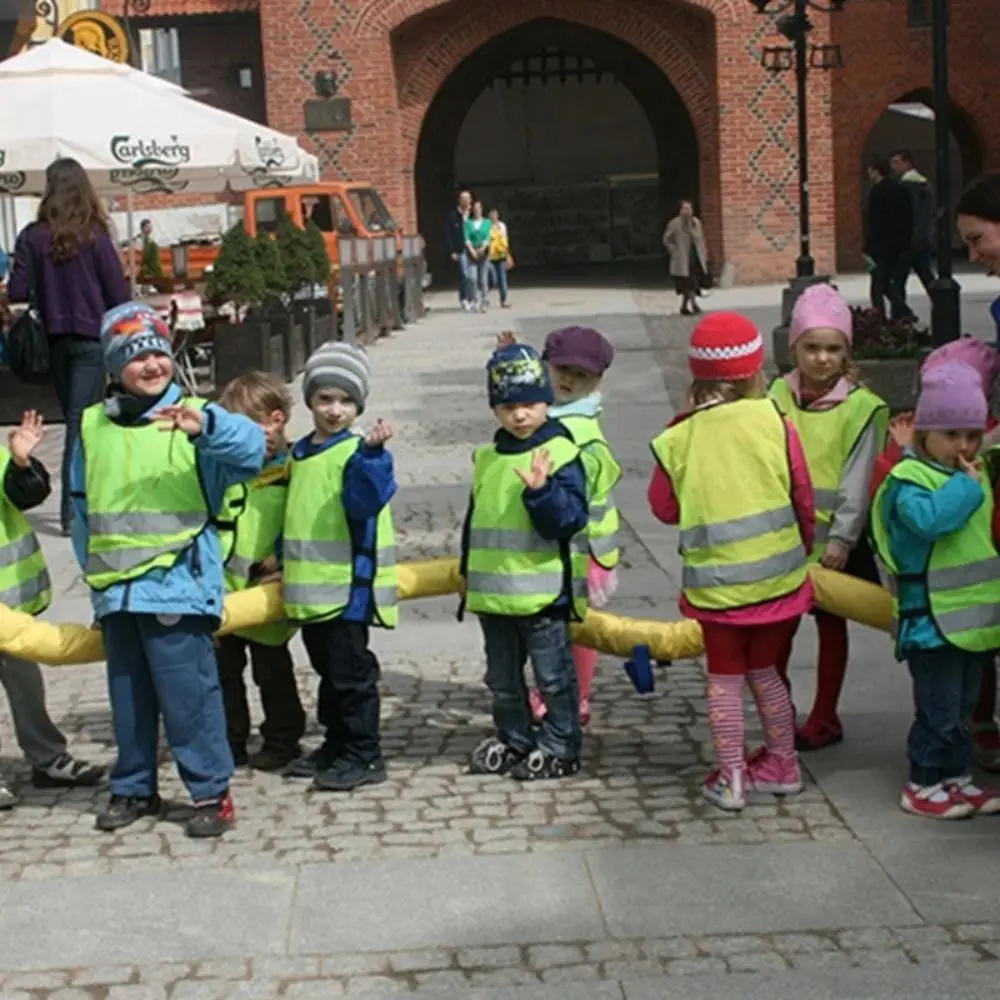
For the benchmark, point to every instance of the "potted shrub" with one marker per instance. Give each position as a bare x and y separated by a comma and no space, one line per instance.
244,341
320,271
276,303
295,259
888,353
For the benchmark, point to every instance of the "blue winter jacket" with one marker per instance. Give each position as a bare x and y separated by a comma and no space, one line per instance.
558,509
369,484
229,450
915,518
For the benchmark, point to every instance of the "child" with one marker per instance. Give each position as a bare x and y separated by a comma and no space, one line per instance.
842,427
148,479
577,358
931,521
525,572
732,474
257,510
340,565
25,586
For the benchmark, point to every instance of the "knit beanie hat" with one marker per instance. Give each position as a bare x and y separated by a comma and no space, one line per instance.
338,366
515,374
725,347
820,306
983,360
579,347
131,329
951,399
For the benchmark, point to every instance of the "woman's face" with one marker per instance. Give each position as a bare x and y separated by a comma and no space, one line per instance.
477,210
982,237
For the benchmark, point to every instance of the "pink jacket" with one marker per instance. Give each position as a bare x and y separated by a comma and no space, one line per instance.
666,508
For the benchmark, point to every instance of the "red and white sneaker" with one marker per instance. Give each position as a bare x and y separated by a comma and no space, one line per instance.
537,703
985,801
986,746
727,791
935,802
773,775
584,711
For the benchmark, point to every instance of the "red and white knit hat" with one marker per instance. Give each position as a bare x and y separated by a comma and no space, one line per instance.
725,347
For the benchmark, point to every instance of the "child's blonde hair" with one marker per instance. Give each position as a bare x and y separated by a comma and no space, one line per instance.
257,395
704,391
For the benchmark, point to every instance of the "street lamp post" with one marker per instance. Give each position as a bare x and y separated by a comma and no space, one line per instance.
796,26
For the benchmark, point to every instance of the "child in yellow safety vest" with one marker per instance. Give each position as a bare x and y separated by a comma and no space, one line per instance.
843,429
524,570
148,478
339,565
250,531
577,358
931,526
745,550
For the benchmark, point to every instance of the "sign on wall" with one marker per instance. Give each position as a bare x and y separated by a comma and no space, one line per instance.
96,32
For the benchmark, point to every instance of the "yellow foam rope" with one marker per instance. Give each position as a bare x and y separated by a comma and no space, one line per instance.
67,645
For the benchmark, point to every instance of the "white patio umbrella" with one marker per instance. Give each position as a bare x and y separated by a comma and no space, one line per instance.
130,131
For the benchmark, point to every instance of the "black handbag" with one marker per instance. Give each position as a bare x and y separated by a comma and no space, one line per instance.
27,339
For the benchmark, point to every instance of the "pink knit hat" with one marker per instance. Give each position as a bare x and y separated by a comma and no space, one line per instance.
983,360
820,306
951,399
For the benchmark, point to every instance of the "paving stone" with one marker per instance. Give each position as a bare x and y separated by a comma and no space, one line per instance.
570,973
488,958
417,961
36,981
314,989
234,968
738,944
137,991
376,984
695,966
763,961
636,969
450,979
868,937
544,957
354,965
793,943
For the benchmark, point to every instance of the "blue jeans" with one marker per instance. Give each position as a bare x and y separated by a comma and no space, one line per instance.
77,368
498,278
946,685
479,279
465,293
510,643
159,666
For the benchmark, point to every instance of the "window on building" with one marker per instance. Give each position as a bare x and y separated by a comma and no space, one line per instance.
160,52
266,214
919,13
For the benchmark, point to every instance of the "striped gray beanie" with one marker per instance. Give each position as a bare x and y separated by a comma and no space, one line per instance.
338,366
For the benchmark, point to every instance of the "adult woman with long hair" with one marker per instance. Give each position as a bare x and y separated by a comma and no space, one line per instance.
68,262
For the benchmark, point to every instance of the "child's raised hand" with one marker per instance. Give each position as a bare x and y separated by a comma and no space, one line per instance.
506,339
541,468
379,434
901,429
181,418
26,437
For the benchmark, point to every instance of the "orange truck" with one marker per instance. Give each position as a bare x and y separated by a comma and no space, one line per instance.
338,208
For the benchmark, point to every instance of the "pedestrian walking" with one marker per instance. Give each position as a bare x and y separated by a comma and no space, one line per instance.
684,241
888,231
477,248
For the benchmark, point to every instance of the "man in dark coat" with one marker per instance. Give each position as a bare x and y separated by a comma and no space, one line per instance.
888,230
924,214
454,237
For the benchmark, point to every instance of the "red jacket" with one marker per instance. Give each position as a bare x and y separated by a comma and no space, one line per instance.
665,507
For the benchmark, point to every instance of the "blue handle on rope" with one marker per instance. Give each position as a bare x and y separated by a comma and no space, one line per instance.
640,670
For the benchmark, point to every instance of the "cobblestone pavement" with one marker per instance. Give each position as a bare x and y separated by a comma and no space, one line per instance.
645,758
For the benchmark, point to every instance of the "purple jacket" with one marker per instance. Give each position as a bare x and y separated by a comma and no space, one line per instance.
73,295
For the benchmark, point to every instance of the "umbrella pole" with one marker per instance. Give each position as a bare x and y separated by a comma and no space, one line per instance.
131,241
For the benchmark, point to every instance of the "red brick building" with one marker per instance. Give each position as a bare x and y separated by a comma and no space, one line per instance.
586,120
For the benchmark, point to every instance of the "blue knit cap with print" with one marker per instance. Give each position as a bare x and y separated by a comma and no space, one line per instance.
131,329
516,374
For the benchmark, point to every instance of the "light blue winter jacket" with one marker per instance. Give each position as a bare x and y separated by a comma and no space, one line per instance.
230,450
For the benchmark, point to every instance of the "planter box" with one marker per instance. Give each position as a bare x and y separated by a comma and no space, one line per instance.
780,354
895,380
326,328
17,396
285,326
246,347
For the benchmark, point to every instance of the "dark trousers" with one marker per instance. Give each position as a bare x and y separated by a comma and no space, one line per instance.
919,261
348,702
77,368
159,669
510,643
273,672
946,685
888,281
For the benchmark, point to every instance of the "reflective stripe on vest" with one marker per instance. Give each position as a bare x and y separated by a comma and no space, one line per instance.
962,576
828,437
510,569
24,579
318,553
603,474
145,502
254,513
741,545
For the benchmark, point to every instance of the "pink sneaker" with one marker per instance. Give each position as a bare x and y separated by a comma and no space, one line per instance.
726,791
773,775
584,711
538,707
986,801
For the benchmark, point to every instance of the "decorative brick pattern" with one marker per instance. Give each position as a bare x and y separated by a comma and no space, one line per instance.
174,8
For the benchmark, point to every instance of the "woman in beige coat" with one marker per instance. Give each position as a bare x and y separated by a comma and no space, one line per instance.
684,240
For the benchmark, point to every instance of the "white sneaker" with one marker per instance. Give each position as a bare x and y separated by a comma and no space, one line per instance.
728,792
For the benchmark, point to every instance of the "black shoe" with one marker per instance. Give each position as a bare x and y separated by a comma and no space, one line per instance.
240,756
542,766
274,758
124,810
493,756
67,772
211,819
307,767
345,775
